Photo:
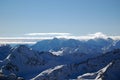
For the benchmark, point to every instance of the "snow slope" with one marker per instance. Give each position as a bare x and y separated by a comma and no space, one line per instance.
109,72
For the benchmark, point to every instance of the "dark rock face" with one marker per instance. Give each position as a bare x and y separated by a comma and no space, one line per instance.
11,76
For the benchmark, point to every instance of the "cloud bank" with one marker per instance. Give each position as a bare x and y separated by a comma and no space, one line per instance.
86,37
31,38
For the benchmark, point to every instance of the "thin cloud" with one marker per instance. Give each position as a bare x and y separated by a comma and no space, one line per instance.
48,34
27,38
13,42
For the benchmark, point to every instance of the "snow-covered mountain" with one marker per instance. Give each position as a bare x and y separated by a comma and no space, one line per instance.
72,71
97,45
23,60
109,72
60,59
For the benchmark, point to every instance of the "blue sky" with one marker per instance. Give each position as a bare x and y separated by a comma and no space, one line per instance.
79,17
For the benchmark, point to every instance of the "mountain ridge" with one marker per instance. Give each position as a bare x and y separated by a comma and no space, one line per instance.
58,56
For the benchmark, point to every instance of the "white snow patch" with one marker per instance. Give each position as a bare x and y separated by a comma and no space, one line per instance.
57,53
48,71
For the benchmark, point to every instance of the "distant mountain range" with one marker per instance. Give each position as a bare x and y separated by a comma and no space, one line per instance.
97,45
62,59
